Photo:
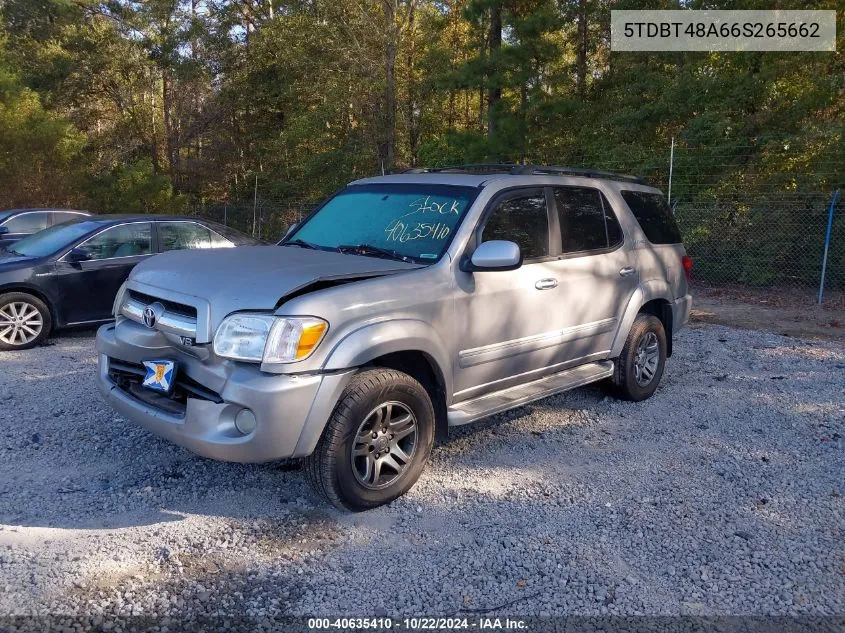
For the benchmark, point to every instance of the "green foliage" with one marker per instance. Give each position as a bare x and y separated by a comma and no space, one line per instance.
39,150
143,105
135,188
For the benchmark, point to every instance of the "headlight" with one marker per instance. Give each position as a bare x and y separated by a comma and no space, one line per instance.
118,300
267,338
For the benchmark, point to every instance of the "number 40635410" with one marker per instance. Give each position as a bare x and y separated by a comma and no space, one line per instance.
398,231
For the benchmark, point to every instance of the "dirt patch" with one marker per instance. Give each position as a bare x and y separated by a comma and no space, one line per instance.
790,312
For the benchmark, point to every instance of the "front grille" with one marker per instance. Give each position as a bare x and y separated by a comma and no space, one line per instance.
170,306
129,376
178,318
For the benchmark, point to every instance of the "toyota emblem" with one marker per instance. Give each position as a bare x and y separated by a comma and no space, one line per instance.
152,314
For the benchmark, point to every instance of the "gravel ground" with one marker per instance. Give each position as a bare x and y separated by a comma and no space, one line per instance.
720,495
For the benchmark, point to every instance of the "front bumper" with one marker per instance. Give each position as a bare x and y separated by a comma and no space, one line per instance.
291,411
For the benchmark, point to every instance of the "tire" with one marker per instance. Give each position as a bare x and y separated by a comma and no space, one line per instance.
356,483
25,321
625,384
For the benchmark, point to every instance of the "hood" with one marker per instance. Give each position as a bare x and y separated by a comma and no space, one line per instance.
249,277
11,261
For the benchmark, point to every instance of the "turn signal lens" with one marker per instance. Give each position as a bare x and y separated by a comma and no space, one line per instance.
310,337
293,339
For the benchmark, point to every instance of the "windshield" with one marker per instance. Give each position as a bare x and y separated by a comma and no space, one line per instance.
51,240
411,221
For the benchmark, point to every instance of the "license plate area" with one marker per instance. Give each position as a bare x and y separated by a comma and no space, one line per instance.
160,375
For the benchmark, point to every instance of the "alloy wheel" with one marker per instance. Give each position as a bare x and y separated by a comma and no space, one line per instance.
20,323
647,358
384,445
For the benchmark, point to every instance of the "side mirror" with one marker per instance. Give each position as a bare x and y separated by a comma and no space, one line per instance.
494,255
76,255
4,230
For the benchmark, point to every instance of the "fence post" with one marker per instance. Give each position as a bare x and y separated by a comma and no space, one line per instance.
827,243
671,163
255,206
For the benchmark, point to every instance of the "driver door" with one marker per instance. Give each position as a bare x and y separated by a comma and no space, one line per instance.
505,320
87,288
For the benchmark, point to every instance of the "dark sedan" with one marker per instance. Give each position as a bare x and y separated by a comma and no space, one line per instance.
69,274
16,224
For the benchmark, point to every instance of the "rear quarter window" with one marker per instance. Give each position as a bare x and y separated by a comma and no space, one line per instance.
654,216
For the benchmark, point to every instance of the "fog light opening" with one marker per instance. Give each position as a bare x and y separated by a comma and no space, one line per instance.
245,421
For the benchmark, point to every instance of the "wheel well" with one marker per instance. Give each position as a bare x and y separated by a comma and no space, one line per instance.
423,368
35,293
662,309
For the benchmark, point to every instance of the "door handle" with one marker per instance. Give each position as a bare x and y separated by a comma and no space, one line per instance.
628,270
546,284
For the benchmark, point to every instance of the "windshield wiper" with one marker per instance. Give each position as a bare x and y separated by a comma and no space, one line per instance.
301,243
369,249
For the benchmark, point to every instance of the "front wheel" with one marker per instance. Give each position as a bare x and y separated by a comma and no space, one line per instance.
376,442
24,321
638,369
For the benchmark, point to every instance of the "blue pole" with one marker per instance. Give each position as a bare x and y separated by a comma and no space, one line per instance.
827,243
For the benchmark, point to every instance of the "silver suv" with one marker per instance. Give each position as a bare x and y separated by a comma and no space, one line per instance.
403,306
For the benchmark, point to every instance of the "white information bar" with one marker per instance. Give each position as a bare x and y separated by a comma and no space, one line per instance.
688,30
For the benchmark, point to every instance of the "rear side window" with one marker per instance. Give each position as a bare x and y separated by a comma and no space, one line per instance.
177,236
60,217
522,219
654,216
586,222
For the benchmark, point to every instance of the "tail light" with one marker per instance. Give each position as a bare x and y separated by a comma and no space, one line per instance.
686,262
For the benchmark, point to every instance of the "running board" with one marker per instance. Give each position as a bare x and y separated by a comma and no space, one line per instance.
471,410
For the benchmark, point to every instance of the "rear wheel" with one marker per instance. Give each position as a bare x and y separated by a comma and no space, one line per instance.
638,369
24,321
376,443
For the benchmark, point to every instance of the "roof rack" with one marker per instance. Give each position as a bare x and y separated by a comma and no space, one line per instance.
525,170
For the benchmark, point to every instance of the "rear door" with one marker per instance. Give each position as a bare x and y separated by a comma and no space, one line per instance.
595,271
660,258
87,288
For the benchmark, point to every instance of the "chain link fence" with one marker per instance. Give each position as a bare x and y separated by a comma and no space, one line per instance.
264,219
769,242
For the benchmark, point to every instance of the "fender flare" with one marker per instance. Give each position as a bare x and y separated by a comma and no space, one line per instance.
401,335
645,292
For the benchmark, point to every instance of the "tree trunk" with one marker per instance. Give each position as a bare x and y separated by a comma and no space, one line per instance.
581,59
166,105
390,83
412,107
494,93
154,136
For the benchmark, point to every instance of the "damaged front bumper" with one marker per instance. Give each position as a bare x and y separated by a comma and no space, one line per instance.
290,411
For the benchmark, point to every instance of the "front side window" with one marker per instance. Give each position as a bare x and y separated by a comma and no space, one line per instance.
175,236
125,240
409,221
28,222
52,240
522,219
654,216
587,222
